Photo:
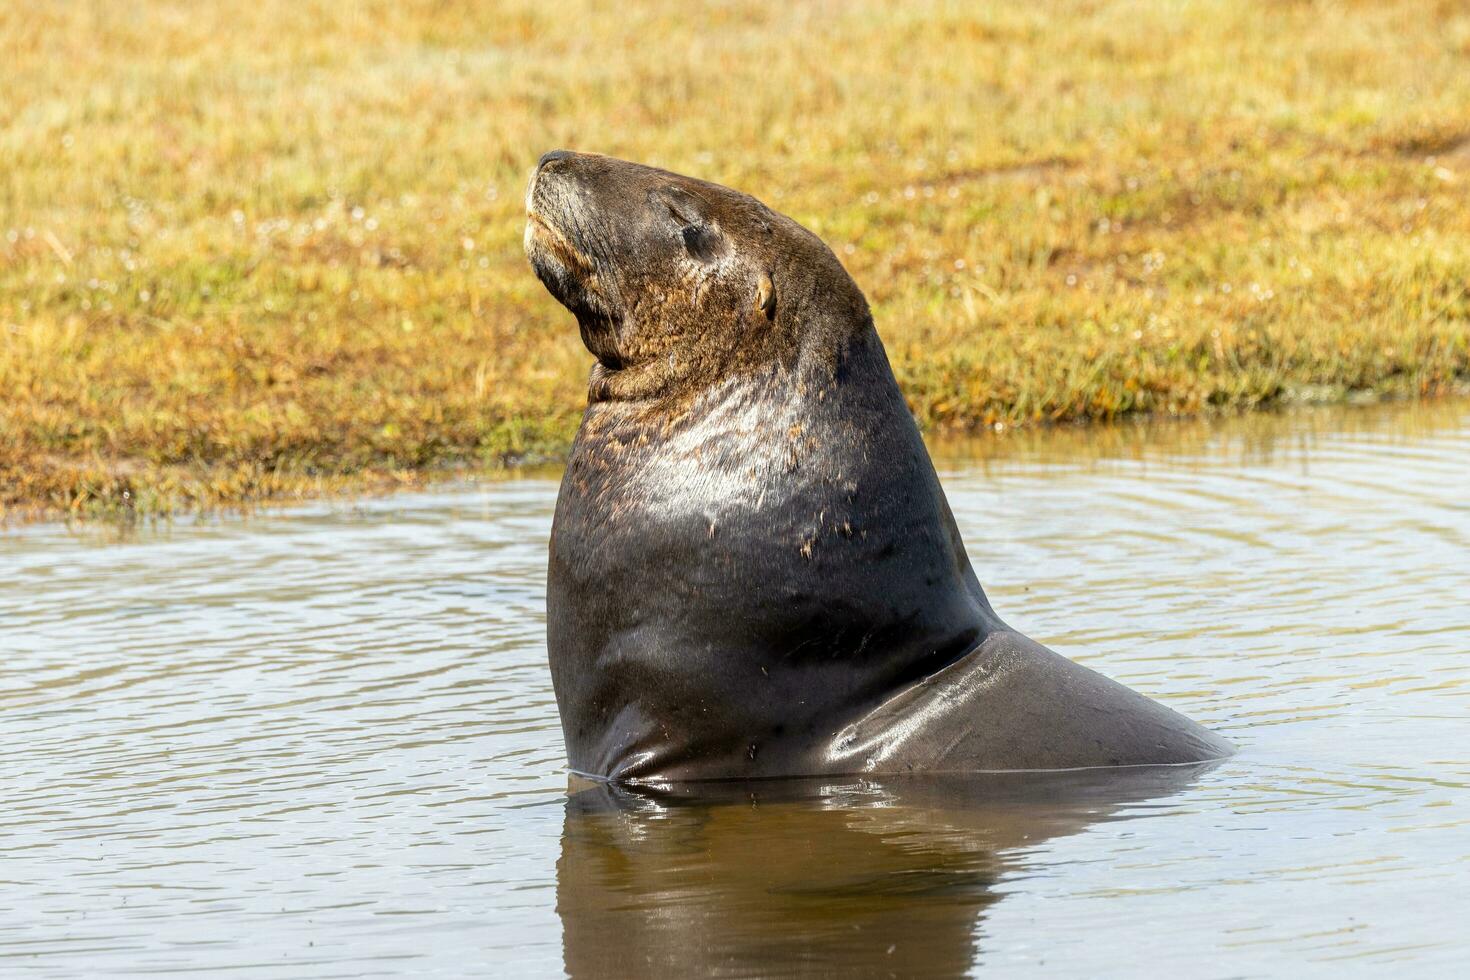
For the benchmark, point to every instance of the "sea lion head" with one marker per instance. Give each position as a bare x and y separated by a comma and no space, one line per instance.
676,282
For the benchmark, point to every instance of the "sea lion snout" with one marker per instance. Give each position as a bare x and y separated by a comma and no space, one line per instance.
559,246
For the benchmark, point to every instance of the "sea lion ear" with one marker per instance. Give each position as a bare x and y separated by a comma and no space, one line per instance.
765,296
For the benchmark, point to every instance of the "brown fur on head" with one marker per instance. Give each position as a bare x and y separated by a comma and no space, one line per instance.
676,282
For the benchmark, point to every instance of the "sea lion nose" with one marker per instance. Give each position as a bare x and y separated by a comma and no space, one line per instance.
552,157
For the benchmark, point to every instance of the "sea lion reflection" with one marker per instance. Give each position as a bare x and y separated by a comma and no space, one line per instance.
813,877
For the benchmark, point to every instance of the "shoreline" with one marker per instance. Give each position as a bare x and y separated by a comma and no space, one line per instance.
192,500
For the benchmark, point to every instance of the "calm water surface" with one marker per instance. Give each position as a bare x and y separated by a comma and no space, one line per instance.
323,742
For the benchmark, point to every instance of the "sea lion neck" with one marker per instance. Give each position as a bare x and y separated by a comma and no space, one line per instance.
794,503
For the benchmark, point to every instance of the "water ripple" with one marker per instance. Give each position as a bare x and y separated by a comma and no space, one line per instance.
323,741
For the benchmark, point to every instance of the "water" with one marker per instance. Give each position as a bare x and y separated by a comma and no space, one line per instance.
323,742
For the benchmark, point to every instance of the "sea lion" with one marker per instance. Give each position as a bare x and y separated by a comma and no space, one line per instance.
753,569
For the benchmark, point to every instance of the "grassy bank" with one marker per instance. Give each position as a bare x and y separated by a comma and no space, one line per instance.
274,248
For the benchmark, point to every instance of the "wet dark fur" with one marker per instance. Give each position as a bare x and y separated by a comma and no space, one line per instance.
754,571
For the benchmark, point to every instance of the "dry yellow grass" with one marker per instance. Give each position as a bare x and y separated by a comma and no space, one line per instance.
260,249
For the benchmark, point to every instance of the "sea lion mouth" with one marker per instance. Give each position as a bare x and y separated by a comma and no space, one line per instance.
567,272
543,235
571,277
548,243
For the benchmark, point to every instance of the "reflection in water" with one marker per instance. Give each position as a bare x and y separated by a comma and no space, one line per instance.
834,877
323,742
